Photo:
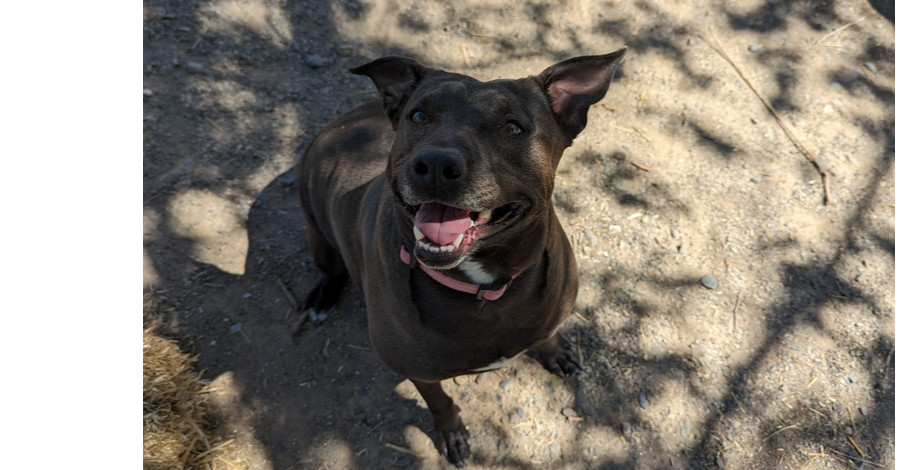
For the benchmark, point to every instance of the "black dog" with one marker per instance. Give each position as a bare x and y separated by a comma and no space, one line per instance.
438,203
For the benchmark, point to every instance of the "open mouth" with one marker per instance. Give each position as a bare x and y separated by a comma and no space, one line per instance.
445,235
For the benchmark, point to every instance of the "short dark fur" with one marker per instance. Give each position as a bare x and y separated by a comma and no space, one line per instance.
448,139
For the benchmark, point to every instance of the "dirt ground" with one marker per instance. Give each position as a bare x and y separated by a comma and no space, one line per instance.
788,362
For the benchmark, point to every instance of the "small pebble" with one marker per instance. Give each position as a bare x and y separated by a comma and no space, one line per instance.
642,400
828,108
870,66
345,50
247,295
755,47
708,281
685,429
592,240
193,67
719,461
235,328
836,85
504,384
520,412
863,410
148,92
315,61
755,179
479,378
852,377
626,428
175,62
848,430
554,450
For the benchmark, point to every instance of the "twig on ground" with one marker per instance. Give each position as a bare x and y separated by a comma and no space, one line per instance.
299,329
736,306
642,134
402,449
838,30
580,356
737,401
638,166
213,449
855,446
290,297
825,178
857,459
465,57
785,428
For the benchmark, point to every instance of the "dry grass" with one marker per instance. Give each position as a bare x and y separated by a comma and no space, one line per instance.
176,432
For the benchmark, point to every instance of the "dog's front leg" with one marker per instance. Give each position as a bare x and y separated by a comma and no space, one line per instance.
452,437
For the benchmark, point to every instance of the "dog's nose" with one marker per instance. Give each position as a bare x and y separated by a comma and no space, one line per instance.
438,169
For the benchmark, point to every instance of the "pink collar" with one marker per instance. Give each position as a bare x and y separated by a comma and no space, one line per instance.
480,291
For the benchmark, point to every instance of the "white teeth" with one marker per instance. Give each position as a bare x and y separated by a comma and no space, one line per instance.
458,240
440,248
418,234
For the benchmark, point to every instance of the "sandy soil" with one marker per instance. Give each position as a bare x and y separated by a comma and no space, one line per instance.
681,173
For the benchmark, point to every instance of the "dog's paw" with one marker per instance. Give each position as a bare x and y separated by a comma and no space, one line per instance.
454,446
560,360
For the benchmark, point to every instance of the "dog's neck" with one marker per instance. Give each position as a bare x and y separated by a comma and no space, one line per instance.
476,273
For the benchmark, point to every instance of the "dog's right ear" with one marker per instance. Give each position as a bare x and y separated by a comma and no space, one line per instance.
396,78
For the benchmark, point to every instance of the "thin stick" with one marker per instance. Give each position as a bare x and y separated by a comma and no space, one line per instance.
402,449
290,297
190,448
580,356
215,448
857,448
228,463
642,134
736,306
783,125
738,402
638,166
299,329
792,426
465,57
841,28
857,459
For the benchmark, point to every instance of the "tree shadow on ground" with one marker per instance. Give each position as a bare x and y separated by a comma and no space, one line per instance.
303,391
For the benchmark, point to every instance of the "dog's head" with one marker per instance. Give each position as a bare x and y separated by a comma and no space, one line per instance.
473,159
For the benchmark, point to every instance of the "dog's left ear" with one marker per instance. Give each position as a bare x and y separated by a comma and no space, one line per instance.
396,78
576,84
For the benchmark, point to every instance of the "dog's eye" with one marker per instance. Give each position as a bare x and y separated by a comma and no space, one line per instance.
418,116
513,128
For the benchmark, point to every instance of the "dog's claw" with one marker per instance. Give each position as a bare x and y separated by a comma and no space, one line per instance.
561,361
454,446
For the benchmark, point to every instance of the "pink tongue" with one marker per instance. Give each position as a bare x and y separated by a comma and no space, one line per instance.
441,224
